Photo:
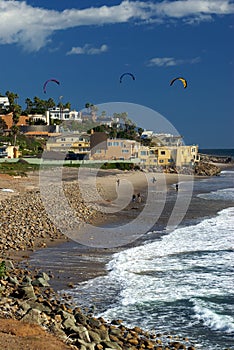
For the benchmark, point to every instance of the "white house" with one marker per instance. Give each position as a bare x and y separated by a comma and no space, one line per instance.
4,102
63,114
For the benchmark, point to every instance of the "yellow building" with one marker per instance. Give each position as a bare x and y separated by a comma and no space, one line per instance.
113,149
178,156
187,155
77,143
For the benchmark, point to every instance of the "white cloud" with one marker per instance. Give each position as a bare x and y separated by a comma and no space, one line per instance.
32,27
87,50
171,61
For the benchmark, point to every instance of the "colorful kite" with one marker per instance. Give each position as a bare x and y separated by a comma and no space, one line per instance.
131,75
44,86
181,79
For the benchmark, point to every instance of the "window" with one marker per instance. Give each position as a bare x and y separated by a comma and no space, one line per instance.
98,151
144,153
161,160
163,152
125,151
115,143
109,144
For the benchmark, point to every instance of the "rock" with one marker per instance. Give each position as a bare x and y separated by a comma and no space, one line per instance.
27,281
86,346
9,265
55,328
32,316
81,318
40,282
104,335
71,285
94,336
70,325
83,333
27,292
112,345
94,322
133,341
43,275
206,169
13,280
24,305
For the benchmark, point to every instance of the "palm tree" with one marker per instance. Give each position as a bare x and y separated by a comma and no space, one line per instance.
87,106
15,118
29,104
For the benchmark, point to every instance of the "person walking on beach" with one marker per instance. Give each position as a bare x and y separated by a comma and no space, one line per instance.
177,187
118,182
139,198
153,179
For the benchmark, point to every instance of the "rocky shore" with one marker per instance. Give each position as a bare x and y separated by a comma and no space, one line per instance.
204,168
27,297
25,224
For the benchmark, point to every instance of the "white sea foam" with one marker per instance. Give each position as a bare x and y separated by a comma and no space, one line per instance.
191,261
229,172
226,194
160,283
205,313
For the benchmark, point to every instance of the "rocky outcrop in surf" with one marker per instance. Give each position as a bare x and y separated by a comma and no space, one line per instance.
206,169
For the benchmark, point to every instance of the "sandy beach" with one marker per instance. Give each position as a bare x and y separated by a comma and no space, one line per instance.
83,267
49,243
19,195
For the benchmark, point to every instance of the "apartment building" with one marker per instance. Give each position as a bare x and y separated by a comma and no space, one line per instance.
78,143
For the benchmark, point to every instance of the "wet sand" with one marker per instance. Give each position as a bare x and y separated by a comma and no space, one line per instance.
72,263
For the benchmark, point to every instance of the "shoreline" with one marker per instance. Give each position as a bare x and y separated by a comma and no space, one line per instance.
63,277
85,252
24,185
107,186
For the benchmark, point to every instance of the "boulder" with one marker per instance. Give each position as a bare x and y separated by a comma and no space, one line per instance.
206,169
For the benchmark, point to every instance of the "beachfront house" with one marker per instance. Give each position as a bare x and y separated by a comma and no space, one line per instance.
186,155
62,114
77,143
104,148
162,139
4,102
8,151
169,156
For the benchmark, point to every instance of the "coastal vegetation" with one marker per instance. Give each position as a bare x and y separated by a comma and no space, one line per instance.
19,168
22,167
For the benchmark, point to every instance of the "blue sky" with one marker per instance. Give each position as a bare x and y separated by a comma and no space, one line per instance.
87,45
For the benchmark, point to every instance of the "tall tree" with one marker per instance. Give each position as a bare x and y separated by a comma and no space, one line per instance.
3,125
29,104
15,118
12,97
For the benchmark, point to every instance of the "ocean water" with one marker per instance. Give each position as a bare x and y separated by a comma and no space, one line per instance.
181,282
219,152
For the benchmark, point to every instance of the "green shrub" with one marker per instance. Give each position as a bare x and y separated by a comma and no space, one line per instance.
2,269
